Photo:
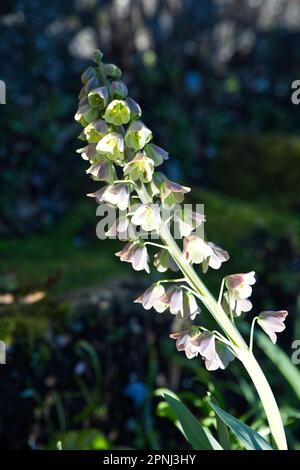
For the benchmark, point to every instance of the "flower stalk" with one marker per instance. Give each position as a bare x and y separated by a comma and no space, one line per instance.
120,151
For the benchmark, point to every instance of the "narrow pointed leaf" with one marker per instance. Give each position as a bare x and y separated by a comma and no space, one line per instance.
251,439
193,430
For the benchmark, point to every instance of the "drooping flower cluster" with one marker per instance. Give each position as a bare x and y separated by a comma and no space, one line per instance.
121,154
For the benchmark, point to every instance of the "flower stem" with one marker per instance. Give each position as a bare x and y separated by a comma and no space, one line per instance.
252,333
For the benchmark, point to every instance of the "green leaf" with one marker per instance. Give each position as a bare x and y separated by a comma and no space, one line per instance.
251,439
194,432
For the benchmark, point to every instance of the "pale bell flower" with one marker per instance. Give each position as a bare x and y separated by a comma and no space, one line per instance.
195,250
140,168
117,195
137,135
103,170
188,220
95,131
170,192
148,217
272,322
119,229
117,113
238,306
135,109
173,298
187,341
86,114
137,255
180,301
164,261
118,89
220,359
151,298
157,154
239,285
88,152
99,97
217,257
111,146
190,306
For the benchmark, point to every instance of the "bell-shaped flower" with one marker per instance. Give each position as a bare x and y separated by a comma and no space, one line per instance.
119,229
170,192
111,146
117,113
157,154
164,261
188,220
151,298
86,114
118,89
187,341
99,97
195,250
135,109
180,301
95,131
217,257
173,298
147,216
88,152
117,195
137,135
239,285
272,323
216,355
190,306
220,359
136,254
103,170
140,168
238,306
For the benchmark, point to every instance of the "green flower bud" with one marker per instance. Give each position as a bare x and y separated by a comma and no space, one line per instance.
88,74
91,84
113,71
97,56
137,135
95,131
157,154
86,114
135,110
117,113
111,146
98,98
140,168
118,89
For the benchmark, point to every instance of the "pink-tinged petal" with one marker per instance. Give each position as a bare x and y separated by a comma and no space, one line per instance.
218,256
272,322
176,302
151,296
243,305
206,342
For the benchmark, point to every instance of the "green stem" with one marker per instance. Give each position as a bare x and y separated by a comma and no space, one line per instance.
252,334
238,344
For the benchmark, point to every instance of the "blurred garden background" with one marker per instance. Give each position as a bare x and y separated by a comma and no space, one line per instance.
213,78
